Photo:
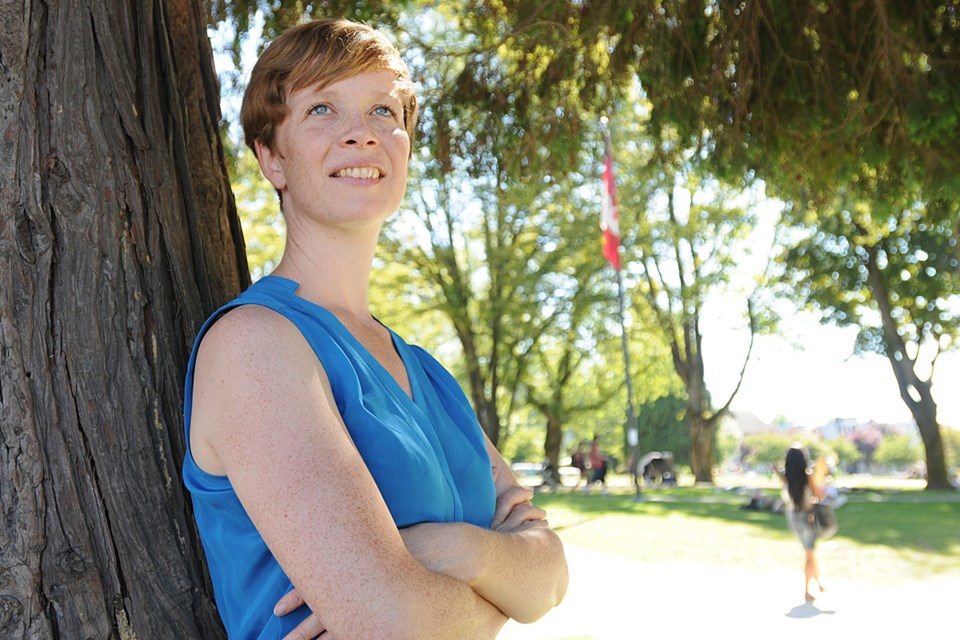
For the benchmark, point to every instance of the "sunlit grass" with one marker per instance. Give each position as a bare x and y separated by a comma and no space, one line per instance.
886,535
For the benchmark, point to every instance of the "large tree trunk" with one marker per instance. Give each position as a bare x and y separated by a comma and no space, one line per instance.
118,236
688,363
914,391
924,410
487,415
552,442
701,447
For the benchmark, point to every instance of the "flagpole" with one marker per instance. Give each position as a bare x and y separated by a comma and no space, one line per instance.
632,433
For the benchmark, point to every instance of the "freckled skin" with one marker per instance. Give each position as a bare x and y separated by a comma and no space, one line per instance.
264,414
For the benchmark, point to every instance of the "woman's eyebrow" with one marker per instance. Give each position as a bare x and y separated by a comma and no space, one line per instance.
336,92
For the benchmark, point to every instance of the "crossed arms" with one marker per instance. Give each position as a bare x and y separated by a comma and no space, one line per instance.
359,574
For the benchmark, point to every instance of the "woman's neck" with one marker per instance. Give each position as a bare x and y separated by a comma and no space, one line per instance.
333,270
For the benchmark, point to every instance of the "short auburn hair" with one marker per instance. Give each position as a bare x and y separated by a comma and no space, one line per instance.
315,54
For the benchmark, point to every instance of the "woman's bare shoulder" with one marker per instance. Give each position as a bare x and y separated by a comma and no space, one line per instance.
253,336
246,368
248,323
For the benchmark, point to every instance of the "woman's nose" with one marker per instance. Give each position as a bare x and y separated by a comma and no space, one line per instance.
359,133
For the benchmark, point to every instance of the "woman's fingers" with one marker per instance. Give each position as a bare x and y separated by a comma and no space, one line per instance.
507,500
514,507
307,630
520,515
288,603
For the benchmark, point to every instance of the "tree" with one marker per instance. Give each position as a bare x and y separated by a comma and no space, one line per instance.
492,226
887,265
660,424
766,450
690,238
576,370
770,449
897,450
118,237
806,92
866,441
951,446
561,354
822,99
847,453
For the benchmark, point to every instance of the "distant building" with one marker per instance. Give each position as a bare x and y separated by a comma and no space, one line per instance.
838,428
847,427
746,423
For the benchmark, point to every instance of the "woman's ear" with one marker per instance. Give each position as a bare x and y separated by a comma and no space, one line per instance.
270,165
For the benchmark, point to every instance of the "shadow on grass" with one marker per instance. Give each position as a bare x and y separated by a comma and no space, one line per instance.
926,523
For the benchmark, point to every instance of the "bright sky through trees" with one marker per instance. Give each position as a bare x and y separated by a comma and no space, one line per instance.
807,375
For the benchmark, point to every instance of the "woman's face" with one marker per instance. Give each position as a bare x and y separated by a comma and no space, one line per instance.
341,153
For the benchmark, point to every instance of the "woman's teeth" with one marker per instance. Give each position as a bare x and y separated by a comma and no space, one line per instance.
358,172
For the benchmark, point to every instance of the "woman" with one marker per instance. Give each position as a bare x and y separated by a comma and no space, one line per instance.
326,454
802,490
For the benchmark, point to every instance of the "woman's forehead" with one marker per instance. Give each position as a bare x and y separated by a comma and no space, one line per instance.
381,82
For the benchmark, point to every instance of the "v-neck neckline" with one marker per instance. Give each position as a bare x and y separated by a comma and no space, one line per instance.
401,349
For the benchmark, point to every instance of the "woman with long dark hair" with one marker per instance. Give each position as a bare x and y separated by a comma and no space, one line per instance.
802,491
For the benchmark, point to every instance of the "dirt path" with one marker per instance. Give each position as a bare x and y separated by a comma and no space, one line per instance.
614,598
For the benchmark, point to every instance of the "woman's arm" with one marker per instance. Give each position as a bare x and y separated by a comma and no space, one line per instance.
518,565
264,415
819,490
817,479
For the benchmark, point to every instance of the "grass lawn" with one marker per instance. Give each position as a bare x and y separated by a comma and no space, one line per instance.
887,535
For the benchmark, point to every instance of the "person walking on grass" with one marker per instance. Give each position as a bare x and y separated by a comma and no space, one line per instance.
802,489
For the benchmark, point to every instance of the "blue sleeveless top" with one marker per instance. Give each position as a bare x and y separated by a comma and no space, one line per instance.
427,455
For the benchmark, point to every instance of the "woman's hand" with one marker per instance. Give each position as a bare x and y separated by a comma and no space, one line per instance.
516,511
310,628
463,552
439,546
451,548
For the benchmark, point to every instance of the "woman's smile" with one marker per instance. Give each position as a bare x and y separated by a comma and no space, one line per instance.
364,173
353,131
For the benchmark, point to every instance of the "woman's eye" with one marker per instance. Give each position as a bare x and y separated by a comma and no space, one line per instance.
319,110
383,110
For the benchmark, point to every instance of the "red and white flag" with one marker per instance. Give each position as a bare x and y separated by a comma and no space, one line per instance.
609,216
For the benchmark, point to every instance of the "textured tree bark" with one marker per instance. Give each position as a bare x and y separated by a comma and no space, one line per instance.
688,363
701,447
484,396
118,235
552,442
915,392
924,411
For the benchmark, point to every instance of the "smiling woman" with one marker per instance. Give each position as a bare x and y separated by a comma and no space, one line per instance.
344,143
330,463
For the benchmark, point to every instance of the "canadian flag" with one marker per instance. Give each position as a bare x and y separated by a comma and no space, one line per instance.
609,217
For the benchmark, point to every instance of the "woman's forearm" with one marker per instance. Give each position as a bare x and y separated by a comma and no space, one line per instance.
447,609
523,573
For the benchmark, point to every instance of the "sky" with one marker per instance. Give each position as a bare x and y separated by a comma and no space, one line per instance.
808,373
809,376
